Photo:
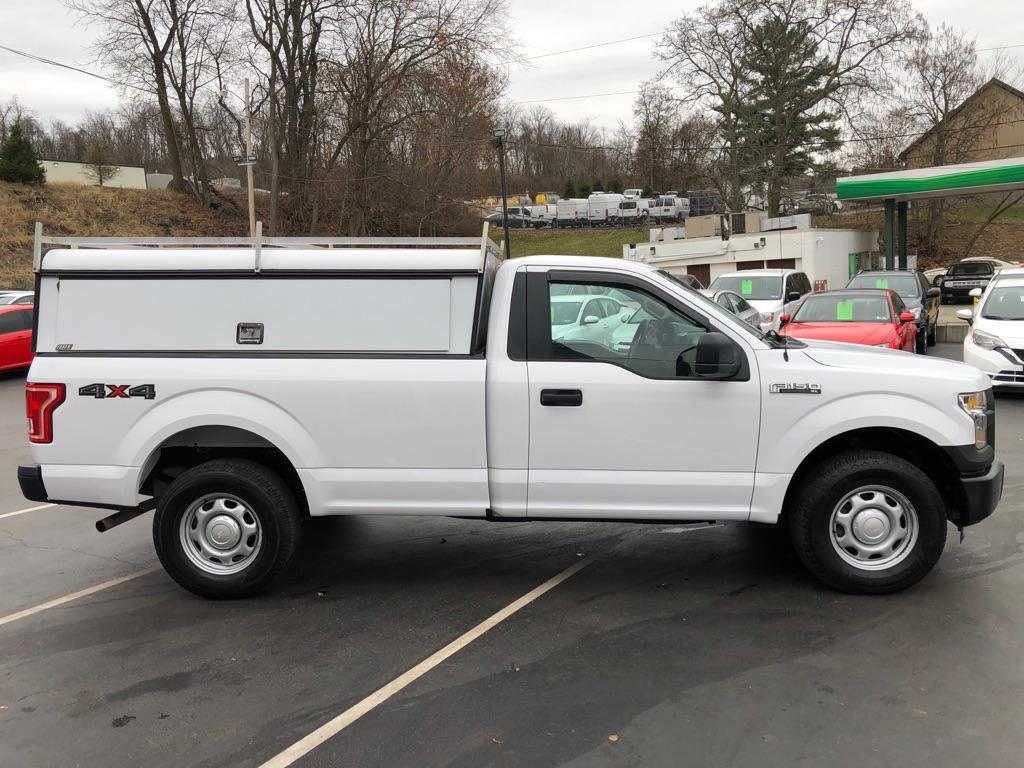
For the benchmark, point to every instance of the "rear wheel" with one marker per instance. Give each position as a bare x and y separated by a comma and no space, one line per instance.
921,342
226,528
868,522
931,336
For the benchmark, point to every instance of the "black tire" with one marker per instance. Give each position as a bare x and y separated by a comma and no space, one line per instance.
931,336
921,342
264,494
824,488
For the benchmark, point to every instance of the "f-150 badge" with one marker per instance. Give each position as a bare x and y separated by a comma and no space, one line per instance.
795,389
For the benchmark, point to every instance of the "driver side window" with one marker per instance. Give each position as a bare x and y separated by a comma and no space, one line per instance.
648,337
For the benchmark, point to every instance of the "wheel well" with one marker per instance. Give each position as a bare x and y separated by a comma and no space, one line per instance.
194,446
910,446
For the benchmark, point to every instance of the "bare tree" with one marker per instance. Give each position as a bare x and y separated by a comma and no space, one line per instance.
99,161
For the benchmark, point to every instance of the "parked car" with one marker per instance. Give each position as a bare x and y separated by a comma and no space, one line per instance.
919,297
995,343
964,276
586,318
769,291
244,416
936,275
876,318
16,336
515,220
17,297
815,203
732,302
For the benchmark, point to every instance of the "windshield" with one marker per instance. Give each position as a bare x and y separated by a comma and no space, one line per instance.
772,338
627,206
1003,303
564,312
754,287
905,284
971,268
844,309
7,299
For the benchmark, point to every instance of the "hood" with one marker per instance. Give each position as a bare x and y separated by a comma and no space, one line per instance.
1010,331
849,333
912,302
858,357
765,305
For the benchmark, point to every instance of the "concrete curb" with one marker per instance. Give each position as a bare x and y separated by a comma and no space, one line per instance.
951,332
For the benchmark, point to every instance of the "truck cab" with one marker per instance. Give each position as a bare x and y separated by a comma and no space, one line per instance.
274,399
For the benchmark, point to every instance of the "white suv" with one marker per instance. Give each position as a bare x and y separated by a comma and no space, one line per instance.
769,291
996,341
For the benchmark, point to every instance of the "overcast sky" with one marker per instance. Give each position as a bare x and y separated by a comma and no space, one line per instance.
45,28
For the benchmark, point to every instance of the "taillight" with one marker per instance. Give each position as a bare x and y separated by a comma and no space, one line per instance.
41,400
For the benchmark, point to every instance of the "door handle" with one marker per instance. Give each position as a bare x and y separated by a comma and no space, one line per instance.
561,397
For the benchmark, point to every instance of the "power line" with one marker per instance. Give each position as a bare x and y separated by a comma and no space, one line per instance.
595,45
584,96
53,63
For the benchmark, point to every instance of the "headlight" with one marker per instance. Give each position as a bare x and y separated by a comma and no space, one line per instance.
916,311
768,317
975,405
986,340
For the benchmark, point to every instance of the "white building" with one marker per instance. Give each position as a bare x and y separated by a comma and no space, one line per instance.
124,176
828,256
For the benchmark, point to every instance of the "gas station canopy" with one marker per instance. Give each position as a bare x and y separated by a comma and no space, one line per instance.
896,189
939,181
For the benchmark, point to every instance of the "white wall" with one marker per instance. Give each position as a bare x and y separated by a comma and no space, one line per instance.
125,177
822,253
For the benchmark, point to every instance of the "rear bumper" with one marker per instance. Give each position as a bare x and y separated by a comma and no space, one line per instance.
31,481
982,494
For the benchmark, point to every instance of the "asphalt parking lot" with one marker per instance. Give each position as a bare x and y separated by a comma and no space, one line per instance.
669,645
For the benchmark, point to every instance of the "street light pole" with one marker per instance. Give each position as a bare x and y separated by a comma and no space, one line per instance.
499,144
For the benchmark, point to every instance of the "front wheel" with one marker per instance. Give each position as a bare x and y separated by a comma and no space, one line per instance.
931,336
868,522
226,528
921,341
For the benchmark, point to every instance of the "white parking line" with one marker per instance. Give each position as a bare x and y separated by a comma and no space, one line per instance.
25,511
378,697
75,596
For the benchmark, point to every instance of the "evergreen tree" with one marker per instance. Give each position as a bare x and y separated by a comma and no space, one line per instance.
18,160
615,185
583,190
597,186
569,190
784,125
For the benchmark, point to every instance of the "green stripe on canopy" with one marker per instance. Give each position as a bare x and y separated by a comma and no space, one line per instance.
966,179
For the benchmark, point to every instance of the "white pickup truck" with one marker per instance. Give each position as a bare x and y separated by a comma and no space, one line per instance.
239,387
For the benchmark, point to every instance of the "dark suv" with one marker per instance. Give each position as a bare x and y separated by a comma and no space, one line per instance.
920,298
964,276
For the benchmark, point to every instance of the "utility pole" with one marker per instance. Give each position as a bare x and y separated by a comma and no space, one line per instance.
249,159
499,144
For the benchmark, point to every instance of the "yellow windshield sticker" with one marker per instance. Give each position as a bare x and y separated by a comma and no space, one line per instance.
844,310
747,287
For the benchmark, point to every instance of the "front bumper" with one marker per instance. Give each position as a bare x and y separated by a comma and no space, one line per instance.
982,495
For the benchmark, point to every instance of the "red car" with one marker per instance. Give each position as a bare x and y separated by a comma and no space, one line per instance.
16,336
878,318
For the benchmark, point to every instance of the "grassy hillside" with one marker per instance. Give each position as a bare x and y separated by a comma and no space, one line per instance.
81,210
77,210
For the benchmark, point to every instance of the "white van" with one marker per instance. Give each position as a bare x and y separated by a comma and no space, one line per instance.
670,209
572,212
235,390
603,208
543,215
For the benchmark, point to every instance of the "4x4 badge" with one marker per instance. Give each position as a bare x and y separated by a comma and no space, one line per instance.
795,389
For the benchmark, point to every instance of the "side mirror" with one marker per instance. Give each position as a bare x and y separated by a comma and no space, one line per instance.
907,317
785,318
717,357
966,314
793,296
589,320
934,293
975,293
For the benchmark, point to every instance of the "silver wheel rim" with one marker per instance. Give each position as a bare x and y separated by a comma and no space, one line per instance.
873,528
220,534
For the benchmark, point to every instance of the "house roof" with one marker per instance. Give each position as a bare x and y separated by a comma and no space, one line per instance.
995,82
